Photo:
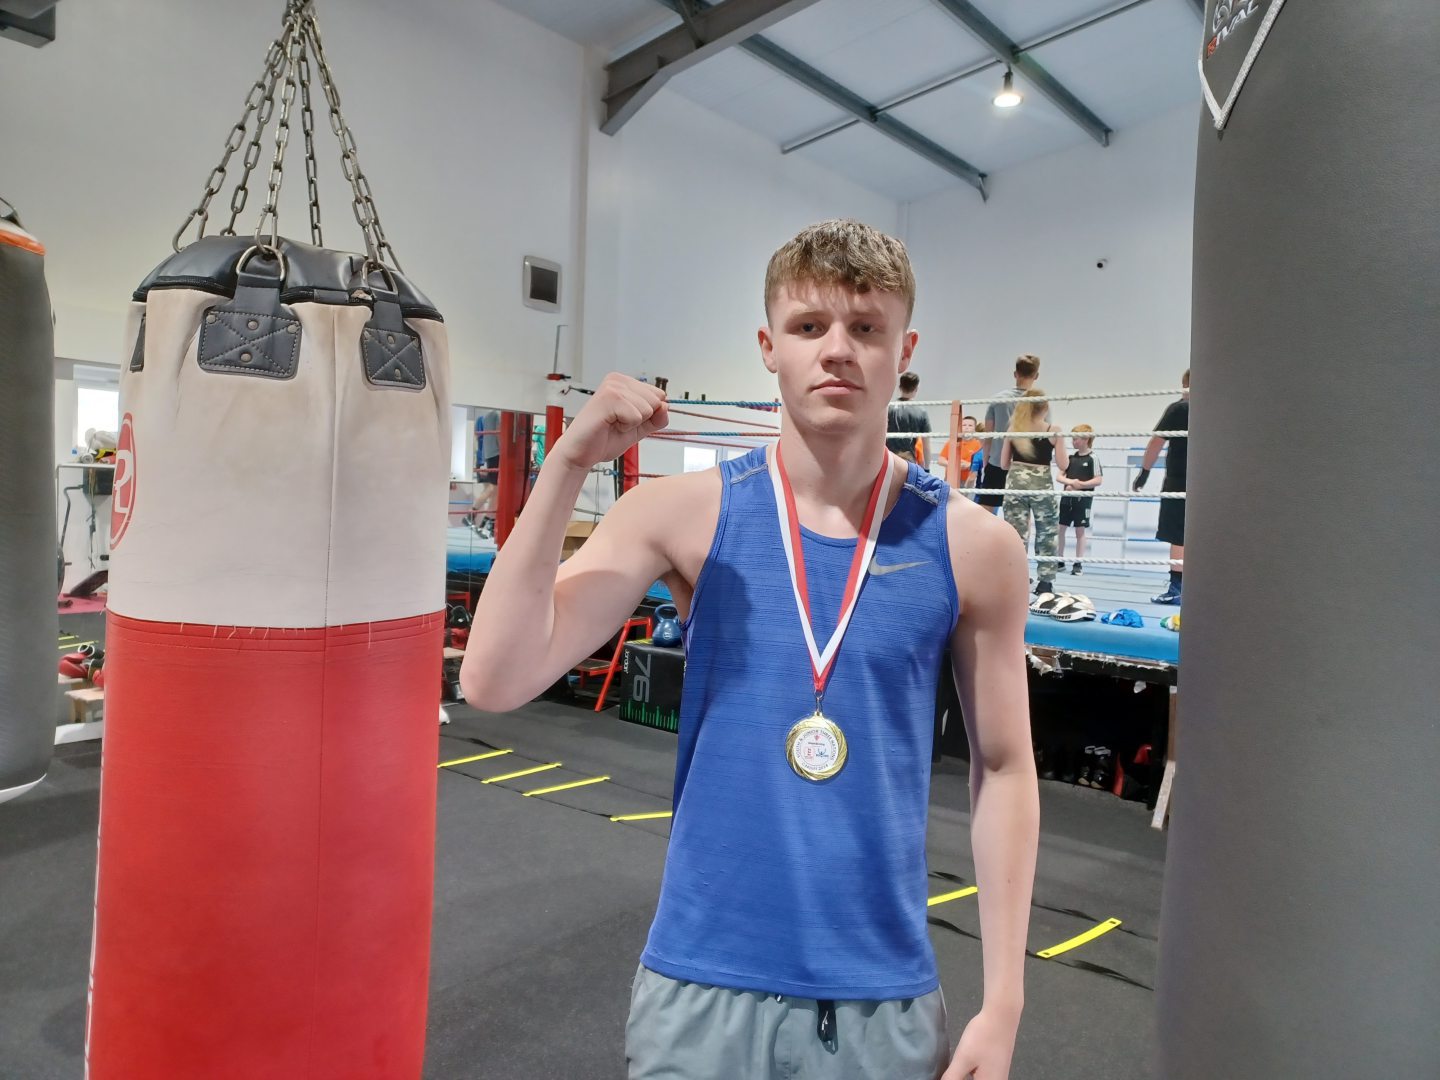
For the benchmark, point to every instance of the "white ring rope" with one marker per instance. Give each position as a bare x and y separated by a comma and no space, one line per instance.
1041,434
933,435
1011,399
1004,399
1092,493
1107,562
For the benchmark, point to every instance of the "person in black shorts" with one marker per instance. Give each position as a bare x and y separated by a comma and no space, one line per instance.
908,418
1083,473
487,473
1172,511
997,418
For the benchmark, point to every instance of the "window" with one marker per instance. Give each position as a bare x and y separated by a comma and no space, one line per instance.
699,458
459,442
95,407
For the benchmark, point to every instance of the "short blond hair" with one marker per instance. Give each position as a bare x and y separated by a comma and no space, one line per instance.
843,252
1082,429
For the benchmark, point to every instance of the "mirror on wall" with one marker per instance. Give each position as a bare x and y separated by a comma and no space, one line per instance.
475,467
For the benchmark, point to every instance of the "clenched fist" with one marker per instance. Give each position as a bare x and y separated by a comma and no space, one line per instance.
621,413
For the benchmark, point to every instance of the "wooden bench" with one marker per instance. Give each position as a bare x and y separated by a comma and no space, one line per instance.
63,685
86,705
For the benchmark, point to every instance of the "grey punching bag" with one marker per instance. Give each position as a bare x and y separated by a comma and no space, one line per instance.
1298,929
27,511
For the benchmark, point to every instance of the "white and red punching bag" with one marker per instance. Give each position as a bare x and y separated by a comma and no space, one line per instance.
276,611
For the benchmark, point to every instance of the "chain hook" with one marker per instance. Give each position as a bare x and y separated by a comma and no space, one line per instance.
264,250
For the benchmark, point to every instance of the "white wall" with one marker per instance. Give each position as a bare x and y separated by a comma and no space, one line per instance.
479,132
1017,274
684,210
467,117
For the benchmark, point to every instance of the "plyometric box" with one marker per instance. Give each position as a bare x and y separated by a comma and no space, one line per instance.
576,533
651,681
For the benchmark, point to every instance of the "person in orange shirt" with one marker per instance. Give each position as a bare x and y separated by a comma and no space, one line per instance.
969,447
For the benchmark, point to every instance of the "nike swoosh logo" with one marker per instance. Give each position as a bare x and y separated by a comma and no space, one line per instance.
880,571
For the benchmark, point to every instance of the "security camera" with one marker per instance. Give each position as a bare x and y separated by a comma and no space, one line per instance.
1100,264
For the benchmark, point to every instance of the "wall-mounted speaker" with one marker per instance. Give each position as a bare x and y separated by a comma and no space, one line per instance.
540,284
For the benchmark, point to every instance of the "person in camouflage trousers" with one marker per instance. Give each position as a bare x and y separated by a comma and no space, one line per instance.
1028,462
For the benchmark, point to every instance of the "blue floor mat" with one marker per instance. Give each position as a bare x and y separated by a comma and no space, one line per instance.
466,553
1109,588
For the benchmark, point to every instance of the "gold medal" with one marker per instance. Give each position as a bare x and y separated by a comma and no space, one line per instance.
816,748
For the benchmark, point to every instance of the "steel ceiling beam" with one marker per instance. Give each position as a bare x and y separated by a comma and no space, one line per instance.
863,111
1007,52
968,72
30,22
638,75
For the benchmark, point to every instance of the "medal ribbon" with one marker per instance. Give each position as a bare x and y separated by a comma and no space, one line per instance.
822,661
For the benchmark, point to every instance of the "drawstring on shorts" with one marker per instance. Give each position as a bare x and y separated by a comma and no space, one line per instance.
827,1028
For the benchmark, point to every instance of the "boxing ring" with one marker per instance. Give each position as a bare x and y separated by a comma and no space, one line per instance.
1122,566
466,553
1148,647
1119,581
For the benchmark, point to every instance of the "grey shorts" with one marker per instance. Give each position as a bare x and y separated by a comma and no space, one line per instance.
689,1031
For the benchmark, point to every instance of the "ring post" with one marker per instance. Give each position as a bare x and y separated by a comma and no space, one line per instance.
554,426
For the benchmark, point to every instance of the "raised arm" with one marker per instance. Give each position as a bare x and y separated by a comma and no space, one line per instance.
988,647
536,618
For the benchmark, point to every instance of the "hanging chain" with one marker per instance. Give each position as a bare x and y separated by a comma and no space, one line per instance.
274,68
377,247
288,61
294,45
253,100
312,175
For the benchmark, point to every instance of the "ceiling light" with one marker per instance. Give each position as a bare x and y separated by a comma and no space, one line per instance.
1008,97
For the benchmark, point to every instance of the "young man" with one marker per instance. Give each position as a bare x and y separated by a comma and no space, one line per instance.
904,417
1082,473
822,580
1172,511
997,418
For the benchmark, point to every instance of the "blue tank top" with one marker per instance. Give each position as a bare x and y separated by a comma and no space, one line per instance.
775,883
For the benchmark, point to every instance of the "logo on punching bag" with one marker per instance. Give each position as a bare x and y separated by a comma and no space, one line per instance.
122,504
1234,32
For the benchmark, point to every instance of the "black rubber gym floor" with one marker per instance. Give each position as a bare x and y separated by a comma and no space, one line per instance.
542,905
